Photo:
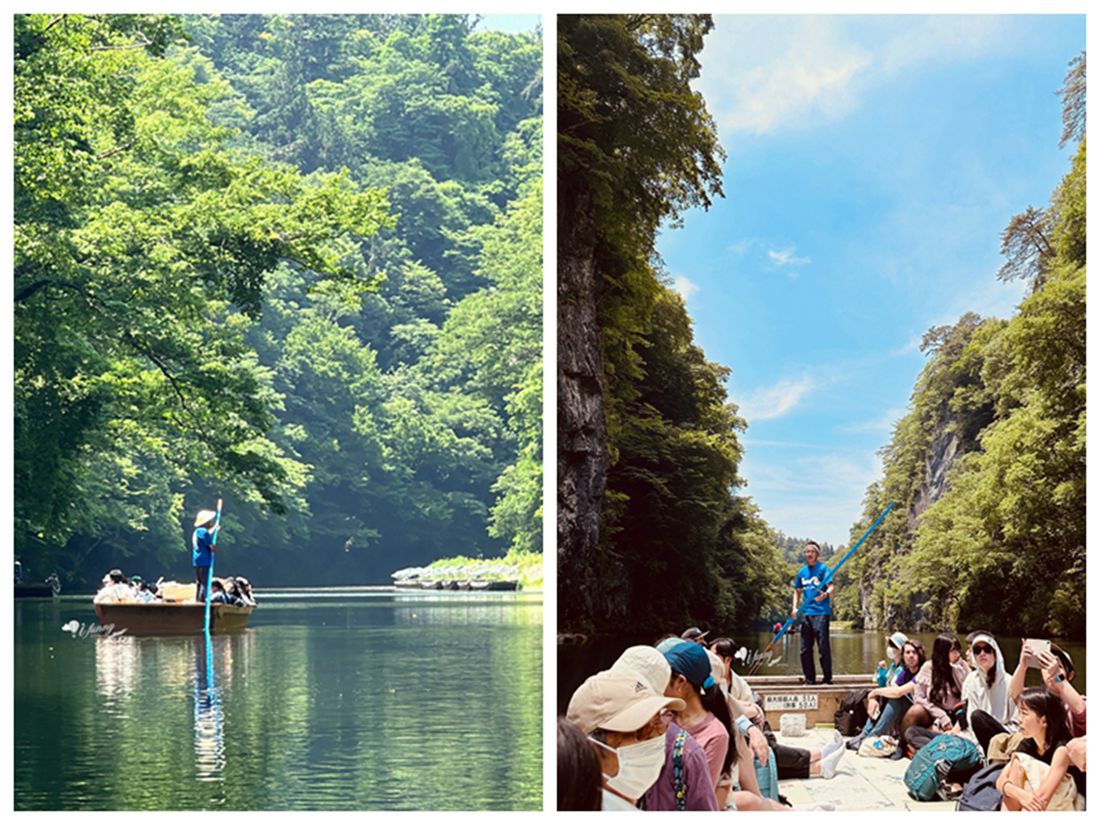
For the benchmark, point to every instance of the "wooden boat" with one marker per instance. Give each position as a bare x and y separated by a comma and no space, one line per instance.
26,590
36,590
819,703
169,619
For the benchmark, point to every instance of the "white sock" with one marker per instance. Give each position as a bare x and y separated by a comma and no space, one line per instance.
829,748
829,763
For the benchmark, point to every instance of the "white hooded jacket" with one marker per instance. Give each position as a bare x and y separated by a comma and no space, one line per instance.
995,700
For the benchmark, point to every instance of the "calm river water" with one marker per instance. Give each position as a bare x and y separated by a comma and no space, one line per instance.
853,651
360,699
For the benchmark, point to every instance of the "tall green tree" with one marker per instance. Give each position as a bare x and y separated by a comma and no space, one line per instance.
142,241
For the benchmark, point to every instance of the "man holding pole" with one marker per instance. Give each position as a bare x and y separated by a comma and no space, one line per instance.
815,614
202,550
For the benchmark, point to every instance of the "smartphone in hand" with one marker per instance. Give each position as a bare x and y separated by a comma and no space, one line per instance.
1034,648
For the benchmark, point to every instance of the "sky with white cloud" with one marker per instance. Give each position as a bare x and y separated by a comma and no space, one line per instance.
872,163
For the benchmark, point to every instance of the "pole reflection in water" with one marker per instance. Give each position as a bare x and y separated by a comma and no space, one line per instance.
209,720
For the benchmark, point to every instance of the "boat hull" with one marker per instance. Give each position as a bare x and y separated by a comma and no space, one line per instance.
819,703
34,591
163,619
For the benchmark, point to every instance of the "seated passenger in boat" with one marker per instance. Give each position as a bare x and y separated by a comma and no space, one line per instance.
937,695
706,717
790,762
1041,776
244,588
684,783
896,698
116,589
1058,675
990,708
886,672
218,594
621,715
725,649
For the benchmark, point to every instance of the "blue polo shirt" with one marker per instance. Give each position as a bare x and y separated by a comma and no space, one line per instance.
812,577
202,552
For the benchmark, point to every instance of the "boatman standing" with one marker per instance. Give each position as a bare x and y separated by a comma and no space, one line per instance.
815,617
202,550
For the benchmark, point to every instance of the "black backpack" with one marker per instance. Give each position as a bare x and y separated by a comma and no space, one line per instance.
852,714
980,793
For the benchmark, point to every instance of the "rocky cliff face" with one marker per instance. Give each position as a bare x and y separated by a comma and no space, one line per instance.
582,430
945,448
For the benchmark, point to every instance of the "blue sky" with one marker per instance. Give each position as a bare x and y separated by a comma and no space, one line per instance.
872,164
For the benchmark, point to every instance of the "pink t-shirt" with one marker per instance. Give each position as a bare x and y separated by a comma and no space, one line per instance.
713,737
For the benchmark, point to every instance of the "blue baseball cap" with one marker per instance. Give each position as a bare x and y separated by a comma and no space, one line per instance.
691,660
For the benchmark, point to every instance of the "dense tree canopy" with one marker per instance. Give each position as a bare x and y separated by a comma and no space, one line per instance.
990,459
291,260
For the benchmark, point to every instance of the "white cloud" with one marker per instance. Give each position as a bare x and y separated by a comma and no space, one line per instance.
775,401
819,496
786,257
766,73
683,285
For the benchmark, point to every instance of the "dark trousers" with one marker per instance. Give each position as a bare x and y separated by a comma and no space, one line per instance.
985,728
816,628
790,763
201,574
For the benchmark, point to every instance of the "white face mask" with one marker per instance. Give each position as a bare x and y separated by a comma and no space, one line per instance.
639,766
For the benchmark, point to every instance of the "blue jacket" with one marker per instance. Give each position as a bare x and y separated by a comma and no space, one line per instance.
202,547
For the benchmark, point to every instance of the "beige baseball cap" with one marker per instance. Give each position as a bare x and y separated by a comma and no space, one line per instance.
619,700
649,663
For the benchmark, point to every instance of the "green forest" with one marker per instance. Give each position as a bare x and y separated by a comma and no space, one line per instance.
651,531
294,261
989,460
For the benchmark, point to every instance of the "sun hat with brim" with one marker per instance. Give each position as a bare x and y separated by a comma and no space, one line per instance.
617,700
647,662
896,640
204,516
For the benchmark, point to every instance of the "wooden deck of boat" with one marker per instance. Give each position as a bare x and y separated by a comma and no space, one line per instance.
861,783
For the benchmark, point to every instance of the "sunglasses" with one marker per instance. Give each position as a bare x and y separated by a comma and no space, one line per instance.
982,649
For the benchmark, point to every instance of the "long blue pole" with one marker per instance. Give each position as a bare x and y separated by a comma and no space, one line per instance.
825,583
210,570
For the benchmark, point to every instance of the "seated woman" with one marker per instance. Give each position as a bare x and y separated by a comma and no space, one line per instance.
990,708
898,696
938,692
1040,776
706,717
